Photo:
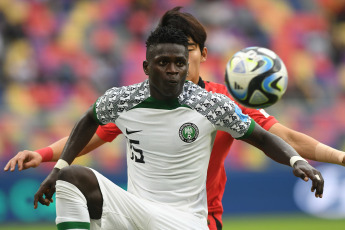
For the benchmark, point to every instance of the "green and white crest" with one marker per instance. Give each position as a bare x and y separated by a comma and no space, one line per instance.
188,132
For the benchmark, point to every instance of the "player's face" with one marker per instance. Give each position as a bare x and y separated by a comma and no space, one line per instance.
196,57
167,70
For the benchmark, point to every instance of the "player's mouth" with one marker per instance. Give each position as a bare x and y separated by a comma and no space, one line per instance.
172,82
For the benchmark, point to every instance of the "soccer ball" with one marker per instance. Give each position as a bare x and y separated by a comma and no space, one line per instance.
256,77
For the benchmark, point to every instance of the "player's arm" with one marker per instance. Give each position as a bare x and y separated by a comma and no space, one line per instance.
280,151
31,159
81,134
58,146
307,146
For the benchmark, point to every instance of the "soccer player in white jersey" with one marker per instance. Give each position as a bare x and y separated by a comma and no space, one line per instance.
170,125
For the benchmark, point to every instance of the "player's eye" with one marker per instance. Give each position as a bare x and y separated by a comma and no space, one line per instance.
192,47
162,62
180,63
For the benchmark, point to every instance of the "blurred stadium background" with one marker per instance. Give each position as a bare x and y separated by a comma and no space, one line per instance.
57,57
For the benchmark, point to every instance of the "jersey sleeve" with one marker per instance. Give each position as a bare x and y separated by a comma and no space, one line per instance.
104,108
261,117
245,123
118,100
108,132
218,109
242,124
238,124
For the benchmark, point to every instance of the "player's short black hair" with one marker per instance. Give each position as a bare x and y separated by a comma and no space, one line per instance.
187,23
166,34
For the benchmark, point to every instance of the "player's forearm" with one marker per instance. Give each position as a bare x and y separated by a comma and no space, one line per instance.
278,150
311,149
57,148
308,147
80,137
303,144
328,154
273,146
53,152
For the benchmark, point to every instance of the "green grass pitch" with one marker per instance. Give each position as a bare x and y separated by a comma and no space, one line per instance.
287,222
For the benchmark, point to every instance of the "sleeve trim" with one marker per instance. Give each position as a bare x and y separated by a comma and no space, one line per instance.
95,114
249,131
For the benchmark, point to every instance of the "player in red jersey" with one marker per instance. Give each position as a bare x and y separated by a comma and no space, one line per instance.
306,146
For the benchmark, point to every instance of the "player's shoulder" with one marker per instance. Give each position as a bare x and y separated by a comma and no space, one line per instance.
194,94
125,96
118,100
124,91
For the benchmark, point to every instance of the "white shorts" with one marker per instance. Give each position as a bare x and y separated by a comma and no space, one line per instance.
125,211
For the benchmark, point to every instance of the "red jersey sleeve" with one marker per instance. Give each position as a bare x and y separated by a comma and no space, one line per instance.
108,132
260,116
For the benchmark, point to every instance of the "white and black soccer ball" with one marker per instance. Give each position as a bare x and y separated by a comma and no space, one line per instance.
256,77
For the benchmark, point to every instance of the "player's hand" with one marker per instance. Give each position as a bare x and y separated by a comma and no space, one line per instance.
24,159
47,189
305,171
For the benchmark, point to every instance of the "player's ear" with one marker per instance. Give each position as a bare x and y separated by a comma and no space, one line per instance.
204,54
145,67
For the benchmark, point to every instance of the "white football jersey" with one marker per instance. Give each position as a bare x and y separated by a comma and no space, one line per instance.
169,142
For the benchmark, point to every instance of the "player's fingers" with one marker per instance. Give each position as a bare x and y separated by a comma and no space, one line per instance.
7,166
317,181
36,198
44,201
318,184
50,194
39,198
20,162
30,164
299,173
307,171
13,163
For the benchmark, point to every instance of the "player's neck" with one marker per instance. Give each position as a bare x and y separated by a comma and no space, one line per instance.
195,80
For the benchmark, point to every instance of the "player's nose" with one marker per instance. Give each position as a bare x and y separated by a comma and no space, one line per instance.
172,69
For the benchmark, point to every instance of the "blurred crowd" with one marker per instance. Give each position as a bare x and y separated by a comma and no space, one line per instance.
57,57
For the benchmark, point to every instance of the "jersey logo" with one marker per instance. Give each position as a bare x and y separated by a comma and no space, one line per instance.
128,132
188,132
